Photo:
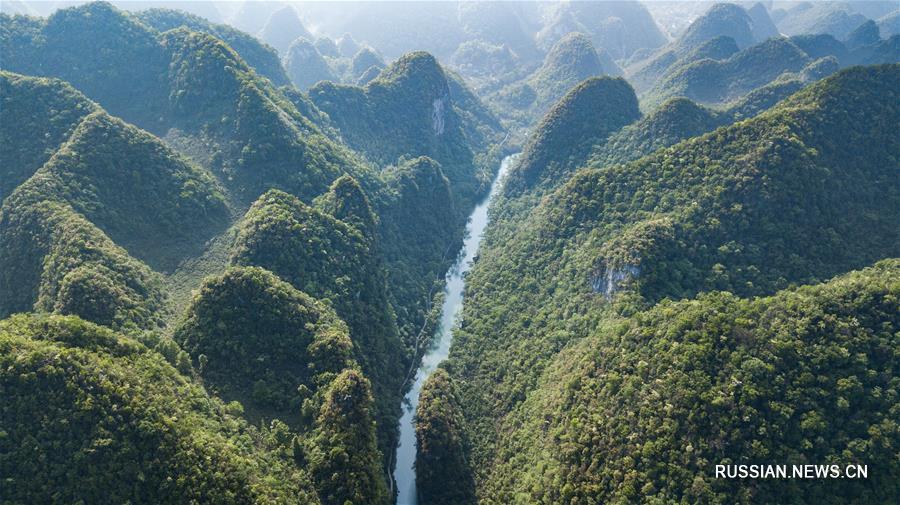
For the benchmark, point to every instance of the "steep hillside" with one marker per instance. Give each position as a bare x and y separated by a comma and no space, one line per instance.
418,245
262,58
644,76
261,340
65,45
889,24
711,81
586,116
832,18
339,262
443,476
804,376
720,32
571,60
287,356
761,23
283,28
305,66
619,28
125,181
55,260
498,24
38,116
341,452
363,60
244,130
721,19
408,111
103,418
674,121
798,194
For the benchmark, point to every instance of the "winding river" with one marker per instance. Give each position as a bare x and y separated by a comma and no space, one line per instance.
405,473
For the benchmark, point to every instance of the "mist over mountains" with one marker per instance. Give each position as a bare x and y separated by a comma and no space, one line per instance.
227,231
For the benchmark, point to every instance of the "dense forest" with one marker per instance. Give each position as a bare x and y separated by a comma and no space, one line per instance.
747,209
228,231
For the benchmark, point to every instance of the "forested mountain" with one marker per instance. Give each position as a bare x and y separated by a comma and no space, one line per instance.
334,260
717,48
232,256
713,80
832,18
103,164
722,20
410,108
501,24
749,208
804,375
86,410
889,24
58,228
336,264
716,72
240,123
305,66
263,59
54,109
283,28
619,28
588,114
571,60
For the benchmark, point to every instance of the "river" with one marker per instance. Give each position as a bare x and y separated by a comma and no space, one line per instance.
404,472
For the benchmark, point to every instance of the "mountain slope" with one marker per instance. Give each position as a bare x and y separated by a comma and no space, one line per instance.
800,193
619,28
55,260
119,423
721,19
710,81
798,377
64,46
333,260
283,28
100,170
262,58
571,60
38,116
305,65
409,110
588,114
246,132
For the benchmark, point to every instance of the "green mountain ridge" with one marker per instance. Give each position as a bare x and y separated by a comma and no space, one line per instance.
331,260
242,115
411,109
262,58
571,60
55,260
750,208
803,376
86,409
31,143
104,164
716,81
306,66
222,264
585,116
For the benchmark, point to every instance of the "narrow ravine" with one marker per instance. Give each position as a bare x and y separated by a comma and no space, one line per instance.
404,473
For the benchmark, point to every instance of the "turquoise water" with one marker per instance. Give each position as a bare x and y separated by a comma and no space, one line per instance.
404,473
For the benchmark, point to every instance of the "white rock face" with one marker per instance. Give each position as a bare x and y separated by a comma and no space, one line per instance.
613,279
437,115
